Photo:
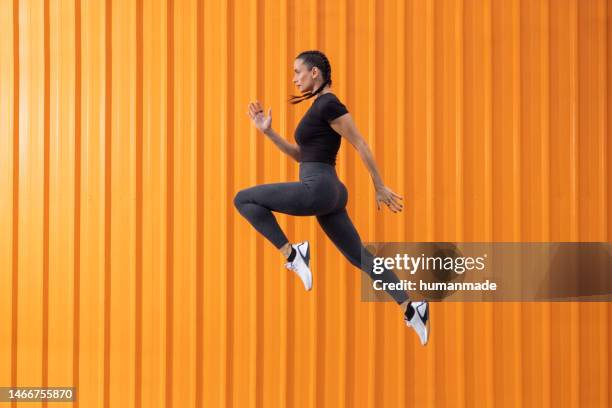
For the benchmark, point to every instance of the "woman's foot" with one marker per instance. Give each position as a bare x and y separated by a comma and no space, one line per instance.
417,317
300,263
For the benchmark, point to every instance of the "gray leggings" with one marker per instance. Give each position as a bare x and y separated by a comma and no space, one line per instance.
319,192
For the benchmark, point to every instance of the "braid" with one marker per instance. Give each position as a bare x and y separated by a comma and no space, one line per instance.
326,69
312,59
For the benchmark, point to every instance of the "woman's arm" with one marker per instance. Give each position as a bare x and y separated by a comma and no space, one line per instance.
286,147
264,123
345,126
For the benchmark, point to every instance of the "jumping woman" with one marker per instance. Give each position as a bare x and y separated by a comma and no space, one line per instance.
319,191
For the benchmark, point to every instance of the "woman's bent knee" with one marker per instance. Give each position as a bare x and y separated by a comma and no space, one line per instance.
240,198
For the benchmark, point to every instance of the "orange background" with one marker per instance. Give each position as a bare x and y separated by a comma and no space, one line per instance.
126,271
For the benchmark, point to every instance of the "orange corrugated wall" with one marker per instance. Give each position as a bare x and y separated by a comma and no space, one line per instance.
126,271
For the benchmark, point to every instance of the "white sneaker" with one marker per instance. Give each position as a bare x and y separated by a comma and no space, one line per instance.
420,320
301,262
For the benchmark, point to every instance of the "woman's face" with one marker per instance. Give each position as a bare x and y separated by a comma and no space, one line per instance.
304,78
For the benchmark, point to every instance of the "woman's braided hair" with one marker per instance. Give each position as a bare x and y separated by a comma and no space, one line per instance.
312,59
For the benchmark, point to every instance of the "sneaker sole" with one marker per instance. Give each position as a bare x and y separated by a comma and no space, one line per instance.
306,259
427,326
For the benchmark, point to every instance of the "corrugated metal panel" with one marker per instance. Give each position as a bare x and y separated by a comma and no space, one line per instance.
127,273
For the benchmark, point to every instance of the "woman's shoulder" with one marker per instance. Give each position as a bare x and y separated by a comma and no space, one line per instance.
330,107
328,96
328,99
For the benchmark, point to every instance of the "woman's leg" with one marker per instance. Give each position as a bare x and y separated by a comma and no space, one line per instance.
257,203
342,232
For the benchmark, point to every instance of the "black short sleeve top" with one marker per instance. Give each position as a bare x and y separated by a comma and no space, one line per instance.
317,140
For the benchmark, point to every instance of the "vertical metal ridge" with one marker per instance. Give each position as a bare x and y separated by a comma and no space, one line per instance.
430,64
371,359
15,226
556,234
170,202
107,194
253,166
259,242
401,170
608,75
574,118
256,165
317,328
200,105
139,206
489,392
516,167
312,310
473,109
609,178
320,315
77,202
410,34
576,361
222,25
488,119
7,221
546,201
459,37
418,43
545,122
400,99
459,233
517,172
284,332
372,373
430,92
350,390
378,99
602,77
488,122
574,191
45,232
344,268
603,71
516,110
259,338
429,396
227,152
604,307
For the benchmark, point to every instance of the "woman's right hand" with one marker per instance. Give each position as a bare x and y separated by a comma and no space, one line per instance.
386,196
258,118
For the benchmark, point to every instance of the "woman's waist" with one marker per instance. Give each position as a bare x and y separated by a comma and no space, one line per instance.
309,169
317,165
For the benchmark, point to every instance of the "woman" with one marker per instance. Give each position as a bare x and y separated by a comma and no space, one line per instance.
319,192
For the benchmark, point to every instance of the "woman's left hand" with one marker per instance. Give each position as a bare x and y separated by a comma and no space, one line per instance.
386,196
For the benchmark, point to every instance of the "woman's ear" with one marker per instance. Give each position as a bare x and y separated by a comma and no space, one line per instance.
315,72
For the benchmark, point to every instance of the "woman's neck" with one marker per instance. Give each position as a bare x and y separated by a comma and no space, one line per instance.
324,91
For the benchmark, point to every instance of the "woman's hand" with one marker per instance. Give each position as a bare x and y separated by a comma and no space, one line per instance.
256,114
386,196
